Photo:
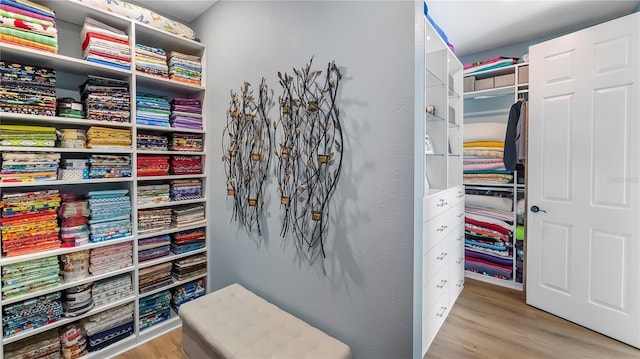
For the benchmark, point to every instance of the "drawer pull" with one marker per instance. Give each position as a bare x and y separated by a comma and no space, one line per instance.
442,228
459,238
460,194
441,256
442,311
460,215
442,284
460,283
459,260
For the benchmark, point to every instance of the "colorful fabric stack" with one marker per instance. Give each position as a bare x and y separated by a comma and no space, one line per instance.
186,113
488,228
154,309
27,24
74,169
188,292
154,247
489,64
42,346
31,314
112,289
189,267
188,214
186,189
152,142
105,137
109,327
72,138
186,142
26,277
27,136
73,341
519,238
29,222
73,221
109,166
111,258
77,300
70,108
483,154
154,277
153,194
151,60
152,110
186,165
185,68
153,165
29,167
105,45
110,215
106,99
75,266
150,220
187,241
27,89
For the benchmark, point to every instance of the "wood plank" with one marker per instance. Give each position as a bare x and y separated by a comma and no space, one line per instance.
168,346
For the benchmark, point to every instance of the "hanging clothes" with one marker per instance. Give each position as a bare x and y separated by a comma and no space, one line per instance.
514,141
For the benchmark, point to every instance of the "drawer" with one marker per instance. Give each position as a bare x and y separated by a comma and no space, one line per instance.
457,238
456,195
435,230
432,321
456,277
434,260
435,204
456,215
435,287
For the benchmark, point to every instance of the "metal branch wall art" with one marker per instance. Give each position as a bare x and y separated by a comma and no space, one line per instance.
246,148
309,154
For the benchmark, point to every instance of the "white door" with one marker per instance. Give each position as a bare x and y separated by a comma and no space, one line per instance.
583,245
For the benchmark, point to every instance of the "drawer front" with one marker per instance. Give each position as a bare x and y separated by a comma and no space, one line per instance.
435,204
456,275
432,321
439,284
457,238
435,259
456,195
456,215
435,230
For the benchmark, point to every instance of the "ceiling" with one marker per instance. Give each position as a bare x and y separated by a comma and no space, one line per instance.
474,26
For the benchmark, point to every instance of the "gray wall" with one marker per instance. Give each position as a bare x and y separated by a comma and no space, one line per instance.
362,292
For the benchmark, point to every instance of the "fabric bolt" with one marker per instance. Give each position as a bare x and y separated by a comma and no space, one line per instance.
28,26
31,314
24,11
43,346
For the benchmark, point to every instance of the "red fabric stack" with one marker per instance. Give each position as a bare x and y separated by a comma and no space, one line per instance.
186,165
153,165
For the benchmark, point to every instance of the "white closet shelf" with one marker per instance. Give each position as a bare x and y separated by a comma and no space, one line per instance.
500,91
496,72
183,153
148,34
170,177
75,12
171,203
66,150
172,285
496,185
54,120
64,285
169,258
64,182
157,83
173,230
99,354
508,283
168,129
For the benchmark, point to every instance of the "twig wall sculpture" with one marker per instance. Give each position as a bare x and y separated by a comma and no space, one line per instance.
246,148
309,154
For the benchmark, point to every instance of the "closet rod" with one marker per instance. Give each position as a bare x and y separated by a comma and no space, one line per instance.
487,112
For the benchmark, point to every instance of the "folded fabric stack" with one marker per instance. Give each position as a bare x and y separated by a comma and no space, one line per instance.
187,241
109,166
110,215
72,138
106,99
519,236
105,45
31,314
186,165
105,137
186,189
42,346
27,89
483,154
151,60
152,110
488,228
150,220
186,142
490,64
154,309
29,222
75,266
188,292
69,107
189,214
153,165
29,167
26,277
27,24
186,113
153,194
73,341
154,247
112,289
189,267
74,169
185,68
27,136
154,277
111,258
152,142
109,327
77,300
73,221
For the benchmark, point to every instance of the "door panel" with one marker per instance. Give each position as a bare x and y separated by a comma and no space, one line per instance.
556,245
556,150
607,269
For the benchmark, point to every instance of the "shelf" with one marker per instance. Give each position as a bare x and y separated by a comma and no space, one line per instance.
64,321
159,83
148,35
54,120
173,230
183,153
66,150
434,191
167,129
489,93
169,177
505,70
99,354
169,258
432,79
433,118
65,182
65,285
172,285
508,283
171,203
435,154
173,320
497,185
59,251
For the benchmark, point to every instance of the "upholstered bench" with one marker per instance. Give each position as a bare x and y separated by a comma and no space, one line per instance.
233,322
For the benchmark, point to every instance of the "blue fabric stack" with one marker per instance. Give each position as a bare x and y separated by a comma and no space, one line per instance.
31,314
152,110
155,309
110,215
187,292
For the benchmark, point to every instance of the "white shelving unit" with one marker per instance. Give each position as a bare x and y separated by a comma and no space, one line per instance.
493,105
71,71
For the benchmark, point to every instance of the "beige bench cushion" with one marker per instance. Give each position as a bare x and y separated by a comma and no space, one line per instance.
233,322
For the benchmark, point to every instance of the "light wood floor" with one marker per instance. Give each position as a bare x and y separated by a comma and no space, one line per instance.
487,321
